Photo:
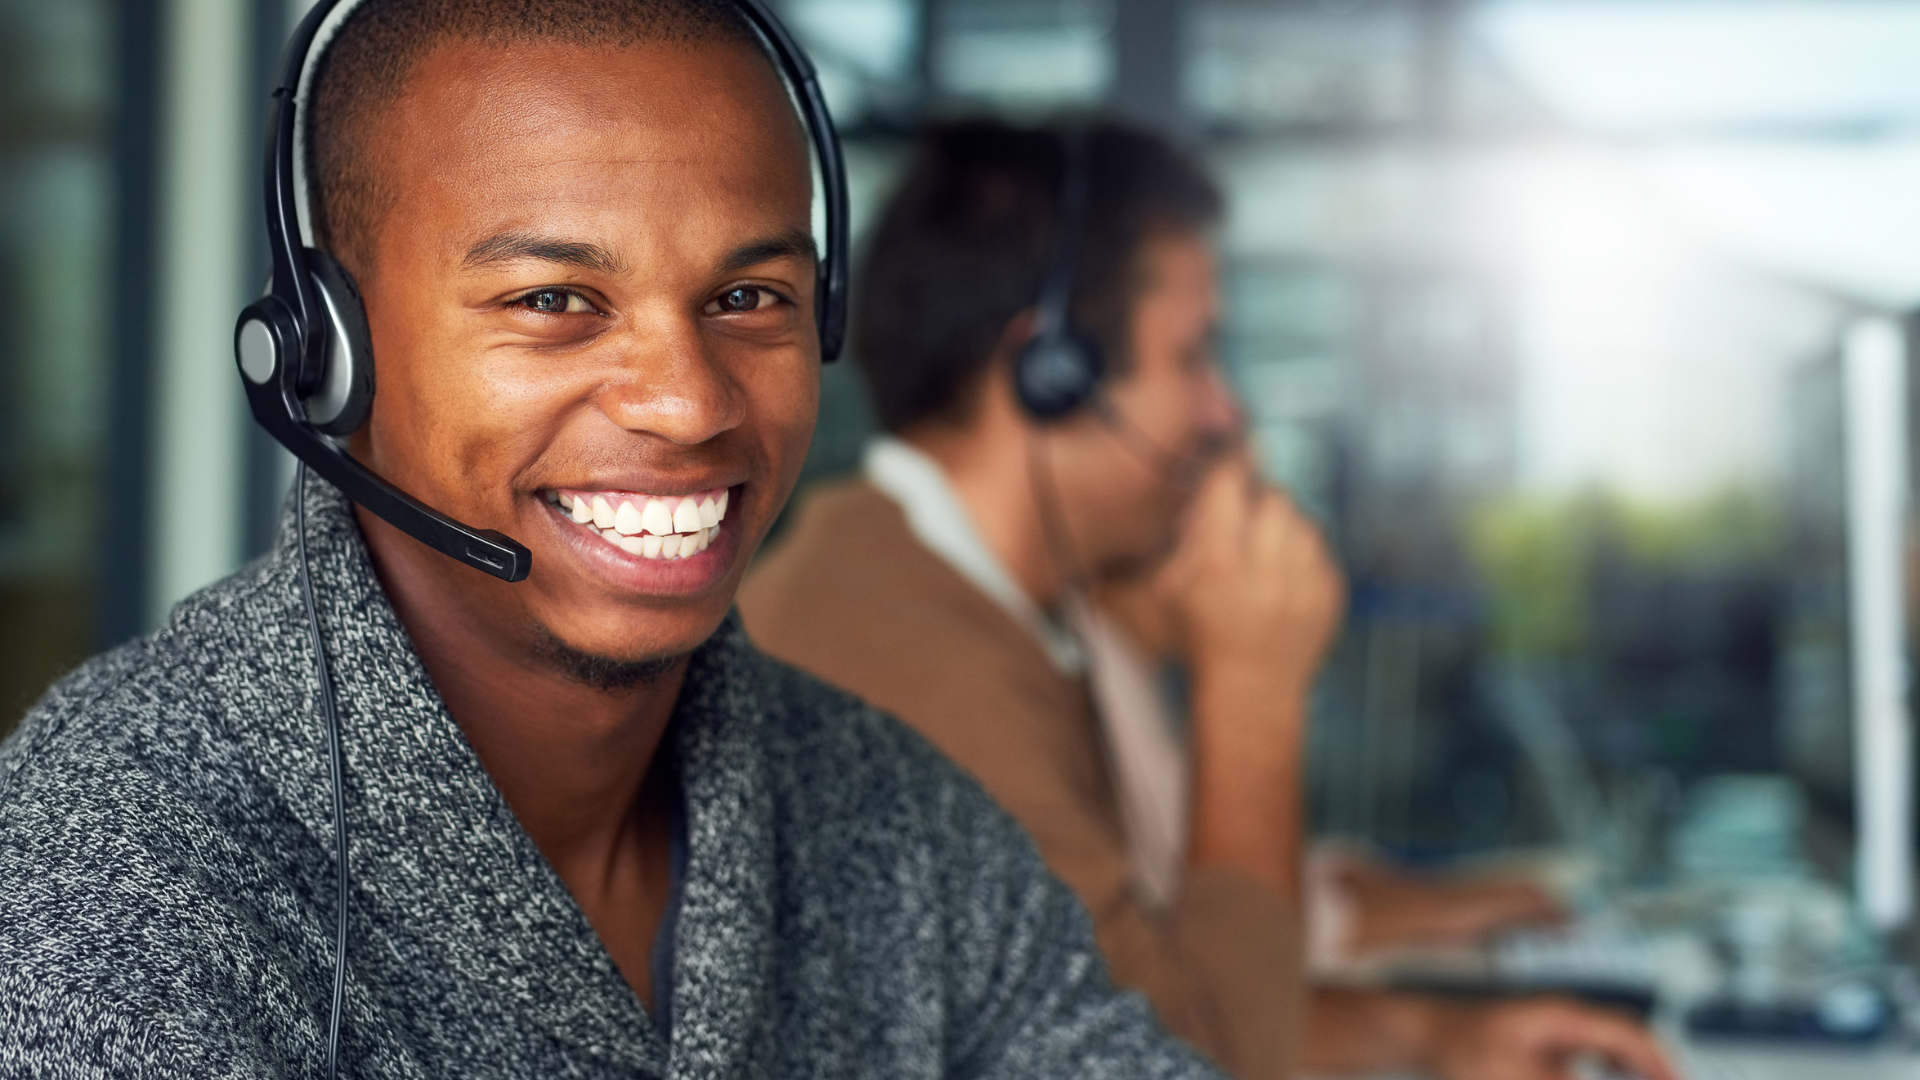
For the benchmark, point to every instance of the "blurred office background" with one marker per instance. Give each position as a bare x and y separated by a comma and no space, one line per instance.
1549,309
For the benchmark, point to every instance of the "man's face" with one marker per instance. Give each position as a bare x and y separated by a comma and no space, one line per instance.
1126,479
592,312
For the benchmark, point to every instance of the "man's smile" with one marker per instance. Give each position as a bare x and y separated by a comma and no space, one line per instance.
636,525
650,526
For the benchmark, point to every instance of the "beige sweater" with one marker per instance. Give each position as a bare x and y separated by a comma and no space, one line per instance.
851,595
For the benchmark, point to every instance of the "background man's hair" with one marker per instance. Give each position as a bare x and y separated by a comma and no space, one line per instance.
962,247
365,66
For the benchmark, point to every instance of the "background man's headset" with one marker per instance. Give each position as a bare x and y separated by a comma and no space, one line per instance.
1060,369
306,359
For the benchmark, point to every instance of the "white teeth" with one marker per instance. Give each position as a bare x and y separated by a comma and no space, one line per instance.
627,518
663,528
657,519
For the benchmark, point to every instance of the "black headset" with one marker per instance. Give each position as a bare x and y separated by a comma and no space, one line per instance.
306,357
1058,370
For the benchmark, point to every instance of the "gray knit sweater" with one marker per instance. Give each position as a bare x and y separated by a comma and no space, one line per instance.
852,904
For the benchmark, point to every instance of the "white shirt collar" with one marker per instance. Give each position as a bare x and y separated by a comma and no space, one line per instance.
1149,765
939,520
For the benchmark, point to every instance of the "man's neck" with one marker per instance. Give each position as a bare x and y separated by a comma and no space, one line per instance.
568,757
993,479
575,762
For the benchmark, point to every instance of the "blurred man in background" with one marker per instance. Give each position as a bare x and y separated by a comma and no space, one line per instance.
951,585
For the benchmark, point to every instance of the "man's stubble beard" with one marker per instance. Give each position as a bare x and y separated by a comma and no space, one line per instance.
603,673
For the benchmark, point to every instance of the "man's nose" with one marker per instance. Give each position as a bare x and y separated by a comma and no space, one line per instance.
670,384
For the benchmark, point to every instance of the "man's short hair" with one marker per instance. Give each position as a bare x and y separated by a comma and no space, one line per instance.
964,244
365,67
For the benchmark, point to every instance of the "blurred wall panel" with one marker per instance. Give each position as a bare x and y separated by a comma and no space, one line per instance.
198,433
56,198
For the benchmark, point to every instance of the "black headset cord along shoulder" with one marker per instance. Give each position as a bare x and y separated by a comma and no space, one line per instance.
336,767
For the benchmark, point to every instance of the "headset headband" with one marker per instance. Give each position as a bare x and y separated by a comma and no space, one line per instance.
283,198
283,341
1054,311
1058,370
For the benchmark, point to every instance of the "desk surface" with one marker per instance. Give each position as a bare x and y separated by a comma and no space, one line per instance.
1679,964
1749,1061
1766,1061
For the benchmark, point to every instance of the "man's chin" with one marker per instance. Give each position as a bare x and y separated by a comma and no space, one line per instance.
600,671
1139,559
621,628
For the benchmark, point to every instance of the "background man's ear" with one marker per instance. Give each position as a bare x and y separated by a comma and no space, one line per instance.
1019,330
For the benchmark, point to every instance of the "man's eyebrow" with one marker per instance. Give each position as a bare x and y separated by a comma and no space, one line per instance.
793,244
513,246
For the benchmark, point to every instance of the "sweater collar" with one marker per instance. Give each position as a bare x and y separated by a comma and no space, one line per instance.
436,855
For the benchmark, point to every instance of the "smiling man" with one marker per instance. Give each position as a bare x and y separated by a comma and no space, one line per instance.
593,832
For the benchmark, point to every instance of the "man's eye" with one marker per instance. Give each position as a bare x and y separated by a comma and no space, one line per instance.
744,298
556,302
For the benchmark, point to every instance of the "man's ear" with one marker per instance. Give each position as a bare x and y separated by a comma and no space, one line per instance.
1014,337
989,398
996,379
994,389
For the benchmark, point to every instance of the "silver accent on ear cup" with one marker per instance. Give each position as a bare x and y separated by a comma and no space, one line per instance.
254,343
344,397
336,381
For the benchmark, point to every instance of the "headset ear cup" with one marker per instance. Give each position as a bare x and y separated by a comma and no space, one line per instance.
342,396
1057,373
263,339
